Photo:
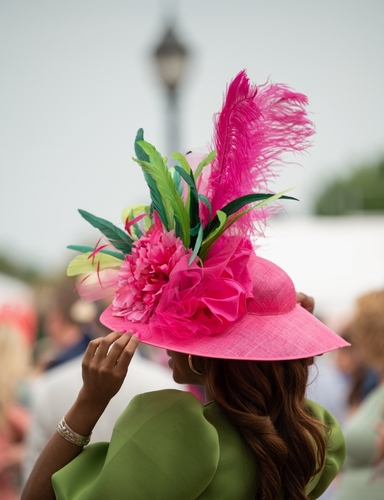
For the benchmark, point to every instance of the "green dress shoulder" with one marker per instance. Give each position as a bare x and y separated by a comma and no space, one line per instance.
167,445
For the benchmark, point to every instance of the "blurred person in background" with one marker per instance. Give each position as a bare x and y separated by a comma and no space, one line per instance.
66,326
17,330
359,478
328,386
360,378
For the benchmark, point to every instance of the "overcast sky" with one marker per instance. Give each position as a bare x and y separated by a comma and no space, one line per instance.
77,81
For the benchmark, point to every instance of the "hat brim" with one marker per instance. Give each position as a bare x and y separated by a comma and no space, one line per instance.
252,337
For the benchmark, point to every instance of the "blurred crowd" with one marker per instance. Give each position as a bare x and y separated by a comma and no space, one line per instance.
43,337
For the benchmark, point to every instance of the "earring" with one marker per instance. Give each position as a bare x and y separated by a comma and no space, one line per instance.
191,365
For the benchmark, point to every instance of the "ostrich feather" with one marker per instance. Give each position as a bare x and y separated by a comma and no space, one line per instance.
256,127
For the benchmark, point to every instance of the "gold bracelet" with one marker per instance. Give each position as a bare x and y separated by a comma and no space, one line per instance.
64,430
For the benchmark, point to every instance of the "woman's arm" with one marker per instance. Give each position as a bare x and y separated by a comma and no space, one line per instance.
105,366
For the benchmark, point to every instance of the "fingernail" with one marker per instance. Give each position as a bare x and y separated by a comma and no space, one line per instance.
123,331
137,335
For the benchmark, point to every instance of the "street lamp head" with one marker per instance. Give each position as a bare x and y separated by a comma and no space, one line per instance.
171,56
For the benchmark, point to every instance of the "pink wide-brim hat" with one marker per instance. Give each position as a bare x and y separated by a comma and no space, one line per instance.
274,327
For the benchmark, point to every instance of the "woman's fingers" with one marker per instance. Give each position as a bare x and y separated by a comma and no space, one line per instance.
305,301
105,352
105,365
99,345
127,353
105,345
122,351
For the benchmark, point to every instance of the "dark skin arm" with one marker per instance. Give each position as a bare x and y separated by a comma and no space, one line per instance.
105,366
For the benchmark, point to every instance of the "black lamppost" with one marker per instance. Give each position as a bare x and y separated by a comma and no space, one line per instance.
171,58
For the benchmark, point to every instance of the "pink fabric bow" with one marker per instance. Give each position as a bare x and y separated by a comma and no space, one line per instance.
205,300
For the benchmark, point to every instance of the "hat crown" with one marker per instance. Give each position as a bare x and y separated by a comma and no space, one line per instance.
273,290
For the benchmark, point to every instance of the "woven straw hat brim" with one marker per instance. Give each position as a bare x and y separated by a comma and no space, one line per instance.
292,335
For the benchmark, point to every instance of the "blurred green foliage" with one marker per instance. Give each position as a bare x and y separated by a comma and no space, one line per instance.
24,273
362,191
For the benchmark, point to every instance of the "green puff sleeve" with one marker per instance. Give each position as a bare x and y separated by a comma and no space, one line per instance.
335,454
162,447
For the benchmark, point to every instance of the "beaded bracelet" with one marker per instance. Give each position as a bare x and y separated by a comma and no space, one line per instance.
64,430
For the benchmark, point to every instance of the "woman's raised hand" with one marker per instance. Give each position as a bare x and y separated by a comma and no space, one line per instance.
105,365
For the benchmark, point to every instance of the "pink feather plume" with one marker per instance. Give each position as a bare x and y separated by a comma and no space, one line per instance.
255,128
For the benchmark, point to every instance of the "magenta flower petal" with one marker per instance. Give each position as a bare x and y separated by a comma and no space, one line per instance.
144,274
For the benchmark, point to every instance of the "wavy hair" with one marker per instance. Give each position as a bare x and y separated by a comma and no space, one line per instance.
265,401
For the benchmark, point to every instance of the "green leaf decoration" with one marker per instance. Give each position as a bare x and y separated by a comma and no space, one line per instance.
136,210
155,195
214,235
226,223
185,166
157,200
206,161
84,263
177,181
207,203
194,231
140,153
194,217
155,171
135,227
86,249
172,201
232,219
199,239
178,229
235,205
138,232
277,196
115,235
182,160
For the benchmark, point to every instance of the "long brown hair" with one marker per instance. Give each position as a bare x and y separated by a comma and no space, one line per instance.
265,401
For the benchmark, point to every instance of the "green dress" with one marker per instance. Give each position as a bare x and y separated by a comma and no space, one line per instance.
166,445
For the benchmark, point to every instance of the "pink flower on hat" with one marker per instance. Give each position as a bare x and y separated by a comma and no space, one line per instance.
206,300
145,272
